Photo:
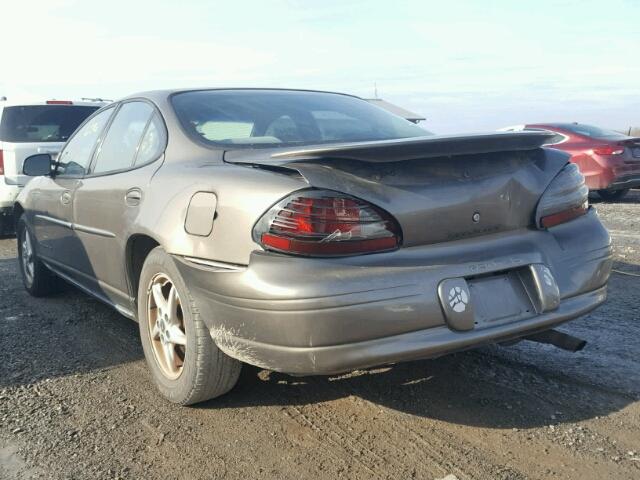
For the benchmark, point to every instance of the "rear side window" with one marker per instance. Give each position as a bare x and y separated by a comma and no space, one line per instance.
75,157
591,131
119,148
42,123
557,137
152,142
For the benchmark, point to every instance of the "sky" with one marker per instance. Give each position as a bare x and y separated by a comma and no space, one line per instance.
465,65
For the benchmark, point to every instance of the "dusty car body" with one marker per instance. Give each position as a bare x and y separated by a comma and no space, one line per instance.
292,249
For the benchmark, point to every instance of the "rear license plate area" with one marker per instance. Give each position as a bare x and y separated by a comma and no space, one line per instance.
499,299
635,152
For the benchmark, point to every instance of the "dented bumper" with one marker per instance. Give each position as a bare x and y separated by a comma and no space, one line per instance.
325,316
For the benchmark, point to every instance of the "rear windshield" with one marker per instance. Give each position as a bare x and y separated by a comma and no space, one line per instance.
281,118
42,123
590,131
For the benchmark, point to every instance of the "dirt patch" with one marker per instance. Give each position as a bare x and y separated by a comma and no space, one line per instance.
76,401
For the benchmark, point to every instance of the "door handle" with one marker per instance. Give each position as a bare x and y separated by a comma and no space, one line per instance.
133,197
65,198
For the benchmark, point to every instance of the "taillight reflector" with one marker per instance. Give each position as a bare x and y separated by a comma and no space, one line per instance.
59,102
564,216
1,163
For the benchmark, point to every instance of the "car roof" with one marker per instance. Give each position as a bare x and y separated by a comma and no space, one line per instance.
163,94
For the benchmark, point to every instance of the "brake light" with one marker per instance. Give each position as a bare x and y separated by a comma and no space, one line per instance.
608,150
326,223
1,163
565,198
59,102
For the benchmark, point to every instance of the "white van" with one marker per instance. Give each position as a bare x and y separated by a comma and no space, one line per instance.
27,128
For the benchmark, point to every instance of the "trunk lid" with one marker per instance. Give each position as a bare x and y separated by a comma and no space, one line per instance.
438,188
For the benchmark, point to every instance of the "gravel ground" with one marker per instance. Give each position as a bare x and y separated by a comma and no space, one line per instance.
77,402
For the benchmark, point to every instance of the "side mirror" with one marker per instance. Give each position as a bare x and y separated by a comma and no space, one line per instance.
37,165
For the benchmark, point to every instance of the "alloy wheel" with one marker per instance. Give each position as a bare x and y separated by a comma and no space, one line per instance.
27,257
166,325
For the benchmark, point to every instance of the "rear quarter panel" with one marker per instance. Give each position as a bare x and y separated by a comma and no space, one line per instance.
242,194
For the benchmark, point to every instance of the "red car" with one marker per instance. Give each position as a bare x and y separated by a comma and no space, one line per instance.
609,161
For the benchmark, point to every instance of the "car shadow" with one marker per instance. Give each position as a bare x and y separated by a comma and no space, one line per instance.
523,386
64,334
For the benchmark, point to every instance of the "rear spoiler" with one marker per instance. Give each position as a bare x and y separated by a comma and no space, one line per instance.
398,149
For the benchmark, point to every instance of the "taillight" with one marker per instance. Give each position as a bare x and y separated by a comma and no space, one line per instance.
608,150
59,102
1,163
326,223
566,198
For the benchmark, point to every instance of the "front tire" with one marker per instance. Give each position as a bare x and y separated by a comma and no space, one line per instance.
185,363
613,195
37,279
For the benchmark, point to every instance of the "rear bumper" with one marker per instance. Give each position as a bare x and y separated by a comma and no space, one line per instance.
324,316
421,344
605,173
8,194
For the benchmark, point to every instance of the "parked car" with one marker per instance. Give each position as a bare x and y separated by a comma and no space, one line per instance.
27,128
610,161
307,232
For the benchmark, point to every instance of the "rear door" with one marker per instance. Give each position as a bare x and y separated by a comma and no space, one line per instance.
26,130
53,199
107,200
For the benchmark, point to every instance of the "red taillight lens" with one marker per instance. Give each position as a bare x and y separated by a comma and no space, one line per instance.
59,102
564,216
325,223
1,163
608,150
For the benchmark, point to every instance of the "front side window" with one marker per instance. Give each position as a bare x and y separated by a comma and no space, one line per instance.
119,148
253,118
75,158
42,123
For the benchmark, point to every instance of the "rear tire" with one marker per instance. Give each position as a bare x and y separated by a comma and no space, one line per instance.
185,363
37,279
613,195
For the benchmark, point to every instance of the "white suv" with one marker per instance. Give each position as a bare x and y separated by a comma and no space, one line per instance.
27,128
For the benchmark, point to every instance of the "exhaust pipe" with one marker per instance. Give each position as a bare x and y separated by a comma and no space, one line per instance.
558,339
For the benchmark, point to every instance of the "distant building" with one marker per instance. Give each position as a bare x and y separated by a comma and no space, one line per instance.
396,110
